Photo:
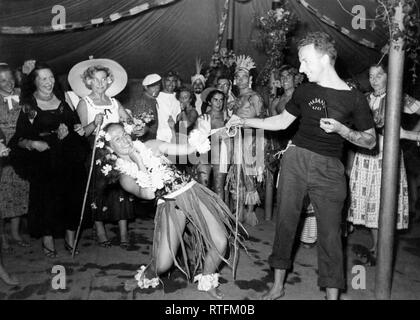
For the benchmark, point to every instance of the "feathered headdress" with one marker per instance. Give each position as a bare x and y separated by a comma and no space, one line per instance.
244,63
198,75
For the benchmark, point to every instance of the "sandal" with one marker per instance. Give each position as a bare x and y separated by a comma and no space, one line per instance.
105,244
124,245
7,250
22,243
48,252
69,248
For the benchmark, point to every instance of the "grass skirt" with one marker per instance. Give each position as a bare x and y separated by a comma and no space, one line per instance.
193,200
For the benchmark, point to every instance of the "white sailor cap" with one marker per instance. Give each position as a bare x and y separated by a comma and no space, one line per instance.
151,79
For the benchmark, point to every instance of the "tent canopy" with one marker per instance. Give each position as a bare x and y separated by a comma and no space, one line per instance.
170,36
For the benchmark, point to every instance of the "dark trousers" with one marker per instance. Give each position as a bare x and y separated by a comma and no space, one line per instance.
302,173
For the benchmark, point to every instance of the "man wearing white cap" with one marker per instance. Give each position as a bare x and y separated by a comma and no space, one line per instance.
147,102
168,108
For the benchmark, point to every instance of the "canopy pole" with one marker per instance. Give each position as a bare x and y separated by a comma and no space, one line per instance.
391,157
276,4
231,25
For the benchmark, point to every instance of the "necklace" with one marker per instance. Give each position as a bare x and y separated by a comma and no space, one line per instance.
379,93
39,97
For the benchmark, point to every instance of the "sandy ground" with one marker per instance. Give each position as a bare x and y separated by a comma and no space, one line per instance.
100,273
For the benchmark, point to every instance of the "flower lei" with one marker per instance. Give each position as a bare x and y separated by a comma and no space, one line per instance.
160,174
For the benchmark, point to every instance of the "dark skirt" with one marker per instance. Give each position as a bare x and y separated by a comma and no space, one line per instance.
55,199
108,201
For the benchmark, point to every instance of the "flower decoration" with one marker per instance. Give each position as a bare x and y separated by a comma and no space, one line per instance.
272,31
411,32
207,282
138,122
143,282
224,57
199,141
160,174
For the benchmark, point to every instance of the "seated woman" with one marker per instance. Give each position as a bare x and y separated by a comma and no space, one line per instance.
144,171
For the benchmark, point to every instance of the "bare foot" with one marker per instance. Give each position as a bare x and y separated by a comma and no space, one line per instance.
251,219
6,248
7,278
274,294
215,293
130,285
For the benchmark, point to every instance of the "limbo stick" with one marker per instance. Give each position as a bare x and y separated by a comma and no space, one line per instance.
86,192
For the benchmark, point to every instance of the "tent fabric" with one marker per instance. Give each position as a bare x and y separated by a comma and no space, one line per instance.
353,57
170,37
66,26
338,26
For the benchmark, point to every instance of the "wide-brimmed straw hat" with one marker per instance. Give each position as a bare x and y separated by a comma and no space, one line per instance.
119,75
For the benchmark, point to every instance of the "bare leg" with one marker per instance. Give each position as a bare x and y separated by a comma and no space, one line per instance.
213,256
412,192
123,234
332,293
100,232
6,277
70,237
277,289
3,238
374,239
15,223
219,181
251,199
123,230
48,246
5,243
163,257
204,174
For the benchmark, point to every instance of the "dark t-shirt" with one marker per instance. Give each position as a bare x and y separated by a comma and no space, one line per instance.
311,102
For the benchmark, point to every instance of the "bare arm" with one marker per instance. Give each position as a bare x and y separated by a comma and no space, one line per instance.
364,139
410,135
124,116
130,185
161,147
274,123
258,104
83,116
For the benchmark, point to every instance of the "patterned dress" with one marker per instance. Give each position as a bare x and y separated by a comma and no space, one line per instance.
365,177
108,202
14,191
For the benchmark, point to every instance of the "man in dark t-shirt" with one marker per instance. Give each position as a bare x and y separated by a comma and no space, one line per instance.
330,112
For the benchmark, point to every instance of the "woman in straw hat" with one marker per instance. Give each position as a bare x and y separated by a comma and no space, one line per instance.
97,81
